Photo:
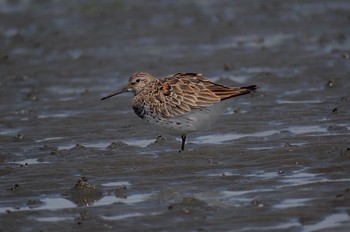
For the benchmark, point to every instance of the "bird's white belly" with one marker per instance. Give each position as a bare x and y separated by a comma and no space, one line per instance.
189,122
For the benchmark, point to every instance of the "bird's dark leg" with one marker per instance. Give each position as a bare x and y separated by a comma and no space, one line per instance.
183,137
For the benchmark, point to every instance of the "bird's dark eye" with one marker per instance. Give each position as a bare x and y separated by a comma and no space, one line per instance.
138,80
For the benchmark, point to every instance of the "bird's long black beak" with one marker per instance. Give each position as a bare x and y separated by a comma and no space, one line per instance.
122,90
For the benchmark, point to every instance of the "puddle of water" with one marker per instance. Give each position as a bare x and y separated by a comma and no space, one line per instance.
56,115
123,216
209,139
48,139
306,129
300,174
235,194
298,178
300,90
328,222
66,147
231,110
8,131
97,145
49,203
278,227
299,102
53,219
299,182
132,199
221,138
260,148
298,144
104,145
265,175
128,215
225,173
29,162
139,142
289,203
230,198
8,209
116,184
56,203
347,126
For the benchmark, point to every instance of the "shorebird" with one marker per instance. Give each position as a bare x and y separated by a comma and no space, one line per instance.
181,103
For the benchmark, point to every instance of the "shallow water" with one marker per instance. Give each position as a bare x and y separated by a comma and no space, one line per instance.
277,160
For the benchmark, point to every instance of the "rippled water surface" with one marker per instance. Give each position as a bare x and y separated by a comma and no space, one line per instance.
277,160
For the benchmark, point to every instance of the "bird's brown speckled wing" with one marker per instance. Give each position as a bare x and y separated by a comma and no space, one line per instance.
183,92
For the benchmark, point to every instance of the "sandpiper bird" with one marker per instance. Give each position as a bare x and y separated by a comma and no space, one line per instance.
180,103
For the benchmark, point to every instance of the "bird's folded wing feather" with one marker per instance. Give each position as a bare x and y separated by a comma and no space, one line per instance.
182,93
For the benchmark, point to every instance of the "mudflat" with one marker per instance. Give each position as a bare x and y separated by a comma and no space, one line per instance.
277,160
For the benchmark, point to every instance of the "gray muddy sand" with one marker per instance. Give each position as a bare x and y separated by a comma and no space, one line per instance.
277,160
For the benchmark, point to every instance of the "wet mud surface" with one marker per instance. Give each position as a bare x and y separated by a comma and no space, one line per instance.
277,160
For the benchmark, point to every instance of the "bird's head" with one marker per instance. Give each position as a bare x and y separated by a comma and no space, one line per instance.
137,82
